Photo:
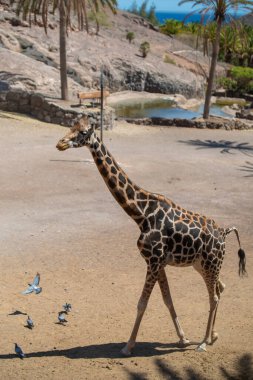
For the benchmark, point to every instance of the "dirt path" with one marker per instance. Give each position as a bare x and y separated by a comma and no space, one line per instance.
58,218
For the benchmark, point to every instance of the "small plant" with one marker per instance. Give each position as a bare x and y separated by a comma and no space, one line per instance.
227,83
168,59
130,36
144,48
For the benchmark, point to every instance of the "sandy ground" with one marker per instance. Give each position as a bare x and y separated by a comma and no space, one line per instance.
58,218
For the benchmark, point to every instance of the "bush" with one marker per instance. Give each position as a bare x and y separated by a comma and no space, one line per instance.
172,27
243,77
144,48
239,81
167,59
130,36
228,83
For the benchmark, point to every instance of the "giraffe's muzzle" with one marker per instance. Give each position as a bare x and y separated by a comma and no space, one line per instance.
63,145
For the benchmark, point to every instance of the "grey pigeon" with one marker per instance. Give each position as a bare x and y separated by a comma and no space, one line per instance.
67,307
19,351
61,317
34,287
29,322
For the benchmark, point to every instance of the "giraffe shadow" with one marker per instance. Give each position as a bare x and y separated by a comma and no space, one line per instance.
106,351
225,146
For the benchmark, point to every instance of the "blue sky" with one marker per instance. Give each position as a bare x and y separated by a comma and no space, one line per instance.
161,5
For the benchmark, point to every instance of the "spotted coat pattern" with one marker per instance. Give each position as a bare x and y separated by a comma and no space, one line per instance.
169,234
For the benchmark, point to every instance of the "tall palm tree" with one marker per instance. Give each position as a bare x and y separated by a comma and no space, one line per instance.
66,8
220,11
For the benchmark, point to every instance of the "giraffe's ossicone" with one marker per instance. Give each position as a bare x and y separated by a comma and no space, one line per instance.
169,234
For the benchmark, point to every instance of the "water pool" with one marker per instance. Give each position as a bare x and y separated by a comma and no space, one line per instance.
161,108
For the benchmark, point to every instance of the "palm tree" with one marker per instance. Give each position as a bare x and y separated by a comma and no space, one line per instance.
220,11
66,9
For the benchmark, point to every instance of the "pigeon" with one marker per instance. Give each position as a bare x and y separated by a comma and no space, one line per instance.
34,287
29,322
61,317
19,351
67,307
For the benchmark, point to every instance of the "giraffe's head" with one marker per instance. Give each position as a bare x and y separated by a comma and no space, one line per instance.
78,136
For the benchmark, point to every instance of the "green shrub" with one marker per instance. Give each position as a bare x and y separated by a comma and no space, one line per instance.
238,72
228,83
243,77
172,27
144,48
167,59
130,36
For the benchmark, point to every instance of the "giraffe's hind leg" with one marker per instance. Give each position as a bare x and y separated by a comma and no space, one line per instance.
164,286
213,287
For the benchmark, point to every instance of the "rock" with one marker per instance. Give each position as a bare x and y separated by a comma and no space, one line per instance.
8,41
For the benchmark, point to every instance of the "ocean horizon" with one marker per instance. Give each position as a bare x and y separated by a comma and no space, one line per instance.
162,16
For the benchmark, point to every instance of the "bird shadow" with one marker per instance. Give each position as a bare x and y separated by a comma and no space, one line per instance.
248,168
107,351
225,146
17,312
60,323
28,327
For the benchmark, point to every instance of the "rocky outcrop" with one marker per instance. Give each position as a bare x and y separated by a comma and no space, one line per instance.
211,123
245,114
33,58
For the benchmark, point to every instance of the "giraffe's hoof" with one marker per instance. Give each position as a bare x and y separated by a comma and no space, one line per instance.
201,347
183,342
125,351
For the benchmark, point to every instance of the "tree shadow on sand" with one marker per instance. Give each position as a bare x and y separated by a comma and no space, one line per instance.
107,351
248,168
243,370
225,146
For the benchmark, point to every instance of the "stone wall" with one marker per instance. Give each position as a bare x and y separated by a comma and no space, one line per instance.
211,123
52,110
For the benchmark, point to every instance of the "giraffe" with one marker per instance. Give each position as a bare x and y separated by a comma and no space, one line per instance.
169,235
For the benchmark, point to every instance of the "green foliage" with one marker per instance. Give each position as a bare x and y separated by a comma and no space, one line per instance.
148,14
239,81
99,17
130,36
134,8
167,59
151,16
172,27
144,48
227,83
244,73
243,77
143,9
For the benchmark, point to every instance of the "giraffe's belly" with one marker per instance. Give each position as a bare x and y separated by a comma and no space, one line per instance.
181,261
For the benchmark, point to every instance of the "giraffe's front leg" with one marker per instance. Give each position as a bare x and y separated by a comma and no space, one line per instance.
164,286
150,281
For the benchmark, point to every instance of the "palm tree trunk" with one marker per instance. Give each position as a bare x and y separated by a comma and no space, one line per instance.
63,54
215,52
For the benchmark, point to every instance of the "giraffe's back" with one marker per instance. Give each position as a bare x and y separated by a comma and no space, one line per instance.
175,236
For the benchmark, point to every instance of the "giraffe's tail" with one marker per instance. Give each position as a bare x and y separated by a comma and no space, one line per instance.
241,253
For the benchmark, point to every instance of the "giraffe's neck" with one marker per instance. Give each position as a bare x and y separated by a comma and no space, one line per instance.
131,197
